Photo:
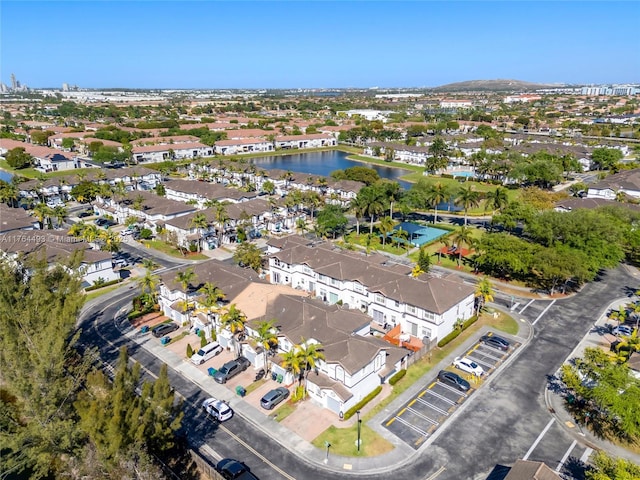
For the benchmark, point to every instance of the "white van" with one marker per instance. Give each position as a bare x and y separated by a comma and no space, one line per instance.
206,353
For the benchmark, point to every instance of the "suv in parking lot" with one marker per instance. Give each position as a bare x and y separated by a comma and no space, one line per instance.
231,369
274,397
453,380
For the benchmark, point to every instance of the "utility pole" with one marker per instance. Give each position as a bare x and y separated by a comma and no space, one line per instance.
326,459
359,424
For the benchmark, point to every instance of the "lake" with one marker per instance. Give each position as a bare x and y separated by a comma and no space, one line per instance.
6,176
323,163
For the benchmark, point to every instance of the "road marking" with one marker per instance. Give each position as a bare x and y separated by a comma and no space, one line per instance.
256,453
566,455
585,456
391,421
442,397
433,407
525,307
211,452
424,417
535,444
543,312
515,305
452,389
413,427
436,474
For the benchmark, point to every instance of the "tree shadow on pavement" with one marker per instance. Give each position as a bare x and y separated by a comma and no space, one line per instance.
575,469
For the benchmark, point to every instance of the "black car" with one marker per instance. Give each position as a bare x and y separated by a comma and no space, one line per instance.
164,329
495,342
453,380
231,469
274,397
231,369
85,213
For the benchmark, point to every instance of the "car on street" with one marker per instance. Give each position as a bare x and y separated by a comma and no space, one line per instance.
85,213
467,365
218,409
453,380
625,330
231,469
231,369
495,341
164,329
274,397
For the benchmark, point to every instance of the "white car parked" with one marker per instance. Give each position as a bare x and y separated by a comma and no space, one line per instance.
218,409
467,365
625,330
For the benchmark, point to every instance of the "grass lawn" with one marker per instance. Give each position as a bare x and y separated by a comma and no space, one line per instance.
283,411
101,291
255,385
33,173
170,250
414,168
343,441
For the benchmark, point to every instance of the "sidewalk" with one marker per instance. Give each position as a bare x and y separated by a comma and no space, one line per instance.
401,454
598,336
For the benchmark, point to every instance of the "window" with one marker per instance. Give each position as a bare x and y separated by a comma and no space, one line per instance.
276,262
397,303
378,317
307,270
379,299
411,309
334,282
430,316
357,287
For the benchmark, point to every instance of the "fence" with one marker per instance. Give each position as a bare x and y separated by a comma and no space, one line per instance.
205,467
428,345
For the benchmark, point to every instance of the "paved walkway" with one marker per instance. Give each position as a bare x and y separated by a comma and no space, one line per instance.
598,336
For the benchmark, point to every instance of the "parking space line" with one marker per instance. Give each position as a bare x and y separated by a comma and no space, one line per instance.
412,427
566,455
391,421
543,312
432,384
430,405
454,390
442,397
525,307
482,362
424,417
497,359
535,444
436,474
585,456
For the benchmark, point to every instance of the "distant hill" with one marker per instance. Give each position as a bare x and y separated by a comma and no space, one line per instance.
491,86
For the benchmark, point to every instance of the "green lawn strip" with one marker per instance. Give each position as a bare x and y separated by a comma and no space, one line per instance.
33,173
254,386
415,168
101,291
177,337
170,250
343,441
283,411
344,438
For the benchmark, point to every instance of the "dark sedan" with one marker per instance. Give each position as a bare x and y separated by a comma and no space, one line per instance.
495,342
274,397
453,380
231,469
164,329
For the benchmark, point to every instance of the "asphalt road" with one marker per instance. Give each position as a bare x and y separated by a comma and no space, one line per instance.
499,425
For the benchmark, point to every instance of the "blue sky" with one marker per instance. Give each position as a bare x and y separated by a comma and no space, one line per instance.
316,44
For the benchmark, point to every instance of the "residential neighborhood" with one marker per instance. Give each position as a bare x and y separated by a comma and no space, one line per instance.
286,240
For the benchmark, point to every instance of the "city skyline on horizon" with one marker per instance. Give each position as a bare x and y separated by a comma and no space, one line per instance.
285,45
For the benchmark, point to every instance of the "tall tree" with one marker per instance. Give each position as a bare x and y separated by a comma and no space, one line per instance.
497,199
234,320
267,338
467,198
386,227
249,255
310,355
200,222
184,278
484,293
437,193
462,237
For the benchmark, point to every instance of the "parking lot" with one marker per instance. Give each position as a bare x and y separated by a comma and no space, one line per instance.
421,416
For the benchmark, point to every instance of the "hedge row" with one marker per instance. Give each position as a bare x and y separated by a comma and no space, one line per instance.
397,377
457,331
358,406
105,284
137,314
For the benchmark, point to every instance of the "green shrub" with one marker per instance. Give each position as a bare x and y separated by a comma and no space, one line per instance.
203,338
469,322
397,377
189,350
298,394
104,284
358,406
214,337
449,338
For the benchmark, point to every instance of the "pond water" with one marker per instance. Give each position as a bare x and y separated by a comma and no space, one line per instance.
6,176
323,163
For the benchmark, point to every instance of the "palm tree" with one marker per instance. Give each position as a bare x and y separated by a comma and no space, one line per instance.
221,217
373,203
149,264
184,278
358,206
60,212
200,222
386,227
310,354
292,362
484,293
439,151
110,241
436,194
400,235
467,197
267,339
462,237
234,321
9,194
42,212
148,284
497,199
90,233
446,242
212,294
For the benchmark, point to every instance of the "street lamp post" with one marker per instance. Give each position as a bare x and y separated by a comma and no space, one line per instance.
359,424
326,459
